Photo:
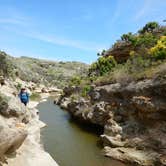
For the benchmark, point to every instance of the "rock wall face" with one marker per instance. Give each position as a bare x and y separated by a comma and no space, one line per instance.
133,117
12,113
13,119
20,131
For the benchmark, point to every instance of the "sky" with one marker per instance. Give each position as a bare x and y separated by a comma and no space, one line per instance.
71,30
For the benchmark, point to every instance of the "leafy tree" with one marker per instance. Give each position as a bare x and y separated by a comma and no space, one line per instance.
102,53
127,37
149,27
147,39
98,54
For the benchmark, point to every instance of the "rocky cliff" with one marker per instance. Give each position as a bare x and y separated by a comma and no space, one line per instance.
133,116
125,92
20,131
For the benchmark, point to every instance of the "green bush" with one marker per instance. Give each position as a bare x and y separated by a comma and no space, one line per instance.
102,66
75,81
6,67
147,39
149,27
35,96
18,86
159,50
133,69
86,89
129,37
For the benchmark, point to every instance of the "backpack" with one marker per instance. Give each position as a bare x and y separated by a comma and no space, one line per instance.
24,97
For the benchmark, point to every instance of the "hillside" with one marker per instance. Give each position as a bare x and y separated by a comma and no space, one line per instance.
125,94
19,125
49,73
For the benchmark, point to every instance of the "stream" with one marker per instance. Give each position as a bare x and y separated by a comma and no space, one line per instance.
69,143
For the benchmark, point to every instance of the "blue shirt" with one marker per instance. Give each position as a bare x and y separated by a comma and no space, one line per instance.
24,97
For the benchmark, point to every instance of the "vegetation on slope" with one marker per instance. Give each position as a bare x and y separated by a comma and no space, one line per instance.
40,71
132,58
6,65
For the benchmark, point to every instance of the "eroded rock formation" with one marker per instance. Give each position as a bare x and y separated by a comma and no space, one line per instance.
12,112
20,131
133,117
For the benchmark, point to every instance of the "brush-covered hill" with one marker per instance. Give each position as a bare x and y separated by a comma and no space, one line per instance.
49,73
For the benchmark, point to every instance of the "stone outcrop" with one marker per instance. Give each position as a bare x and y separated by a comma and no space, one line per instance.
133,117
120,51
11,139
31,152
2,80
12,113
20,132
11,106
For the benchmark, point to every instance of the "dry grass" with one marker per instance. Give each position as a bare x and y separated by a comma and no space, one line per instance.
126,73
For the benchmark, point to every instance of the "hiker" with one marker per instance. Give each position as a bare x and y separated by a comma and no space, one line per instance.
24,96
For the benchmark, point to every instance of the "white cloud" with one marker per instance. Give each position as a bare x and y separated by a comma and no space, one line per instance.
14,21
55,39
12,17
149,8
88,46
143,10
116,13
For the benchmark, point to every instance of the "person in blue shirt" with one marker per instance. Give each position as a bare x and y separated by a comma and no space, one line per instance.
24,96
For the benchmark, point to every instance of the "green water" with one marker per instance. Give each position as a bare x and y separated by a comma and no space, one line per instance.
69,143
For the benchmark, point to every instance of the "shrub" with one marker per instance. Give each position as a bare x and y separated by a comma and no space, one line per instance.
86,89
18,86
149,27
133,69
159,50
147,39
6,66
129,37
102,66
75,81
35,96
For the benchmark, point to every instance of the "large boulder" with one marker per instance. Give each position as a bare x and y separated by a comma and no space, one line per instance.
11,106
2,80
12,135
11,139
134,156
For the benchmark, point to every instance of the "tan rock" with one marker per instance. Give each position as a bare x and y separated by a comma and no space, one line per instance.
144,158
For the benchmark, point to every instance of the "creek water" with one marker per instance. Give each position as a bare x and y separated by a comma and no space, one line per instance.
69,143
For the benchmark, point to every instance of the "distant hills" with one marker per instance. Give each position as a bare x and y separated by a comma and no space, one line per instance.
49,73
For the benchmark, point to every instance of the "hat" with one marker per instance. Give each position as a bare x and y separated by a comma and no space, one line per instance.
23,88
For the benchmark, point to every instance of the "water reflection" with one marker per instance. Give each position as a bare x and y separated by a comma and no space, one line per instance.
68,141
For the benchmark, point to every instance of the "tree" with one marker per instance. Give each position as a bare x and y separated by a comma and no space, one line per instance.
98,54
103,52
126,37
149,27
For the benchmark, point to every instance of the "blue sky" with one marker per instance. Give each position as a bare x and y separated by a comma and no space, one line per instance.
71,30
